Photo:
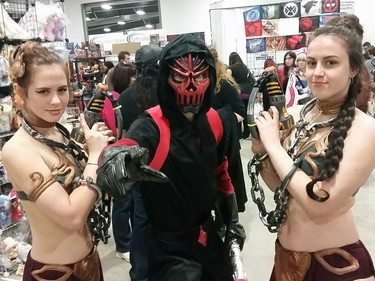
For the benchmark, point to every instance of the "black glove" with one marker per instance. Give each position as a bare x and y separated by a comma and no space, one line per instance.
227,206
121,166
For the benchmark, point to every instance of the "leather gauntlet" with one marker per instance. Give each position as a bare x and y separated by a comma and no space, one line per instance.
121,166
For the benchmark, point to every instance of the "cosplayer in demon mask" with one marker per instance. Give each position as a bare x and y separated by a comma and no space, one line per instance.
176,153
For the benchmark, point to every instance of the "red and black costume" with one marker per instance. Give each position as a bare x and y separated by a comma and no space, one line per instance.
179,199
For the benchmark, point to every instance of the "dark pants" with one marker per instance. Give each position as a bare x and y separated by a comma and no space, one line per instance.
246,131
140,238
181,257
121,213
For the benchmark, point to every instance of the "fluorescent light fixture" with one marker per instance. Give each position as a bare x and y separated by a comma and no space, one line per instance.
140,12
88,19
149,25
106,7
121,22
107,29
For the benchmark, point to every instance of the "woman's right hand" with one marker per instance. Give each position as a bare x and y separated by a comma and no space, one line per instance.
96,138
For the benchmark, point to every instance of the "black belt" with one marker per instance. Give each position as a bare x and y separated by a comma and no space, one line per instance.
191,234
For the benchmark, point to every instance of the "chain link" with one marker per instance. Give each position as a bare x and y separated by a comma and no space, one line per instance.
274,219
99,220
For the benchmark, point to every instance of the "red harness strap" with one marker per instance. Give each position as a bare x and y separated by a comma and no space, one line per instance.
165,134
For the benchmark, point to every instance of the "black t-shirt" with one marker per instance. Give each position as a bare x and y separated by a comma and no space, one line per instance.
240,74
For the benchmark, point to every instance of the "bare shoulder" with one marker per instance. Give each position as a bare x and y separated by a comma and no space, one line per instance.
364,126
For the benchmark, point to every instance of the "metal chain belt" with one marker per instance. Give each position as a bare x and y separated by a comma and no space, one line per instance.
99,220
274,219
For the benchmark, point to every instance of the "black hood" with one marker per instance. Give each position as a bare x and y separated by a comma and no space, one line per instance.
182,45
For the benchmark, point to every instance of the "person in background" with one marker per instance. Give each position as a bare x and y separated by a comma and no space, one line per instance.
297,91
270,65
321,171
123,58
367,45
187,175
121,79
245,79
362,99
227,95
134,101
55,185
106,67
284,71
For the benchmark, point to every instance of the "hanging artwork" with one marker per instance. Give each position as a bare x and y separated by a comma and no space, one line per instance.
253,29
276,43
255,45
253,14
290,9
270,12
308,24
310,7
270,27
325,18
295,42
330,6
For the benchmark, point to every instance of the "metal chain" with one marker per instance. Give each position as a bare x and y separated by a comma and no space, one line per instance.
274,219
99,220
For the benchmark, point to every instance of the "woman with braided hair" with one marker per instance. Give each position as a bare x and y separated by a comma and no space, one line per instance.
314,171
53,176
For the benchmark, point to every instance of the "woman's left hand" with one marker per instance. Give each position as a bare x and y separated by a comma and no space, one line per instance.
269,126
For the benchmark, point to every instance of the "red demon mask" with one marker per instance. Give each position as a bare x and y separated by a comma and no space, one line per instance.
189,79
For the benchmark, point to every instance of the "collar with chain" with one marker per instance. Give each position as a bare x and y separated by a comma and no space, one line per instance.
71,147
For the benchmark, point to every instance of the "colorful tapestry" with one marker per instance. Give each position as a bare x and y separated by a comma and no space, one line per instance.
255,45
325,18
253,14
308,24
295,42
253,28
290,9
310,7
330,6
270,27
270,12
276,43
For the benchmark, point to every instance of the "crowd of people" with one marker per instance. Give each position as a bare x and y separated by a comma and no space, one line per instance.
176,177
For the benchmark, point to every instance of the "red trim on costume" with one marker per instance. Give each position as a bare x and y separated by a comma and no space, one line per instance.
223,180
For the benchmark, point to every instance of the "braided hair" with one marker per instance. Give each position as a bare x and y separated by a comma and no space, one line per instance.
350,36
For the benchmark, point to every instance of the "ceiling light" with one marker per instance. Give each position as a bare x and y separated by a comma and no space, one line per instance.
121,22
140,12
88,19
106,7
149,25
107,29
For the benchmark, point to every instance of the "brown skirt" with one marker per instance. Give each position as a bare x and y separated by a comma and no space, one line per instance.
87,269
346,263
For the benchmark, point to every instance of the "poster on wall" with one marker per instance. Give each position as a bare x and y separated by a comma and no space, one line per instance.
308,24
295,42
330,6
270,27
270,12
288,26
253,14
290,9
276,43
255,45
311,7
325,18
253,28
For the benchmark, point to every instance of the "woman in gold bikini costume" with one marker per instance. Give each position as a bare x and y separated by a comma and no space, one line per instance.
49,171
318,164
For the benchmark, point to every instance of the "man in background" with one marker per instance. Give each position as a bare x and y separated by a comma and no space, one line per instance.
123,58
